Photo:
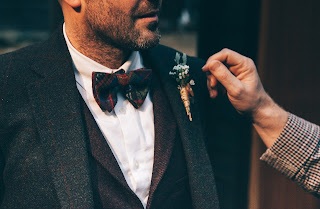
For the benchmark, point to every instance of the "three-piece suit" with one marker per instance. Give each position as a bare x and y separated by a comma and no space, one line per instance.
53,155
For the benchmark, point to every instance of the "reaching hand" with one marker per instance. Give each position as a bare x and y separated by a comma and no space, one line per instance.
241,80
238,74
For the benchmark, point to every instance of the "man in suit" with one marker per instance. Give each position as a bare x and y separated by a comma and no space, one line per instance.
64,146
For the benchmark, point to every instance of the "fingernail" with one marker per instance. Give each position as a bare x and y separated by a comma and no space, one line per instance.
214,94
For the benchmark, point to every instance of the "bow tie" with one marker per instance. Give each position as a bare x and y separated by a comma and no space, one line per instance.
133,85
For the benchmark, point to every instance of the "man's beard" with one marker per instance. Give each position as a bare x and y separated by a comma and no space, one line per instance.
118,30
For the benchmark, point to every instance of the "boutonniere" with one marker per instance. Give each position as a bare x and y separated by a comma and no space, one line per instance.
180,73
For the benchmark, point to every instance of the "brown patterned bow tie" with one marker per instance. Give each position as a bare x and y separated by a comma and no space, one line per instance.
133,85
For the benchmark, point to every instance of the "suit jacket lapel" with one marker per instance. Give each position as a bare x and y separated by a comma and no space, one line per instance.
201,178
56,108
100,149
165,134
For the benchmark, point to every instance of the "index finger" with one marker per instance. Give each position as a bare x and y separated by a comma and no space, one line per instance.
228,57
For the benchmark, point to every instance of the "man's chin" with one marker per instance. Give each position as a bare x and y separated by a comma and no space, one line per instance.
147,44
147,39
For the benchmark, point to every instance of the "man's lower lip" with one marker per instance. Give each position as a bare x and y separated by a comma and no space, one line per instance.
150,19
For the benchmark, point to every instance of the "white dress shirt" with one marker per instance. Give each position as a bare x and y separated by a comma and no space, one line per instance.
128,131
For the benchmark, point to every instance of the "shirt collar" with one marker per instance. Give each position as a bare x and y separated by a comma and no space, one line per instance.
84,66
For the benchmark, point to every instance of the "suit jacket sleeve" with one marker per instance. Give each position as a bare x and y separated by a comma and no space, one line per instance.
296,153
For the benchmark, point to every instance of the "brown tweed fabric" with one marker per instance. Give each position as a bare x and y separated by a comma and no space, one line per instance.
169,187
109,186
44,161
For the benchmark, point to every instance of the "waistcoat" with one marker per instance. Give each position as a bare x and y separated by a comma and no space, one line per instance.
169,185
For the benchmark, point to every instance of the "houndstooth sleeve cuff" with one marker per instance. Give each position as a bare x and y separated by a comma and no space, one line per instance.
296,153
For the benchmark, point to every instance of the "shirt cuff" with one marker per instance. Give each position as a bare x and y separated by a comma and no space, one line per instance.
292,152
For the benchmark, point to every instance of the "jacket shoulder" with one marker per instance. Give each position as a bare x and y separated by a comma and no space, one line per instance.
15,74
19,56
17,60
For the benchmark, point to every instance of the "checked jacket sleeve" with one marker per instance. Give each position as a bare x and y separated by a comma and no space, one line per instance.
296,153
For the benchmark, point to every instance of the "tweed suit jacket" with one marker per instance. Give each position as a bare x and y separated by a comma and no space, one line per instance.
43,152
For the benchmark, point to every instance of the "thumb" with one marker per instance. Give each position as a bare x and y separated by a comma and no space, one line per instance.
224,76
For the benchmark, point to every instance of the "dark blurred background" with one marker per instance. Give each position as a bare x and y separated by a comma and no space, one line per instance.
281,36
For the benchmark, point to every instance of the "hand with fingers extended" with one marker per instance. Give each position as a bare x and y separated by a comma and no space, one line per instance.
238,74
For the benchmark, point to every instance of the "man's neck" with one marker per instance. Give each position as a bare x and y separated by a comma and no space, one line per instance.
99,51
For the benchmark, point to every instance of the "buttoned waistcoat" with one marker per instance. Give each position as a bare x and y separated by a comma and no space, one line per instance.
43,150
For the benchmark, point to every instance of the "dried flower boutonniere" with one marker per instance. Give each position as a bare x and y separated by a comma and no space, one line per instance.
180,73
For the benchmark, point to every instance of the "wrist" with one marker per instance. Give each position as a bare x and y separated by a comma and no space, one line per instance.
269,119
